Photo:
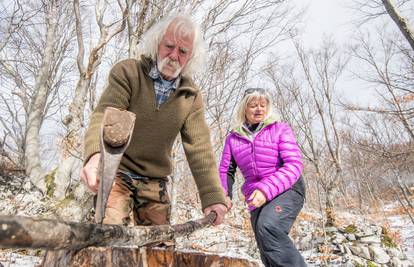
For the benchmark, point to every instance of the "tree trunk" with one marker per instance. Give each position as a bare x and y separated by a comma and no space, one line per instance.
74,121
36,112
135,35
152,257
70,156
401,22
329,209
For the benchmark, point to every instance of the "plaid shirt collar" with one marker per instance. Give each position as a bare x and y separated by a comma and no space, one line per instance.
163,89
156,76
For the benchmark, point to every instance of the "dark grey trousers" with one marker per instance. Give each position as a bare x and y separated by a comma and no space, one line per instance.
271,225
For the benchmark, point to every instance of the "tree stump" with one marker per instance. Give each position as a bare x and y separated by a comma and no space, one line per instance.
138,257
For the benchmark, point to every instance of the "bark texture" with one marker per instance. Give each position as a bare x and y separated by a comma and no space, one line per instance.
24,232
401,22
37,107
151,257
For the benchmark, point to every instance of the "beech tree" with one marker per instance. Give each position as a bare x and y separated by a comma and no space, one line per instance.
32,61
71,144
373,9
310,106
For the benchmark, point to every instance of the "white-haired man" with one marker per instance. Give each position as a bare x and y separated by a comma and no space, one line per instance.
158,88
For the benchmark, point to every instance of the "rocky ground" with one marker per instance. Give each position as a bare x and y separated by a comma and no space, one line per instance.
378,239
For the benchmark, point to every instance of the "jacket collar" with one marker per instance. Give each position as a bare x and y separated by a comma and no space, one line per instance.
241,130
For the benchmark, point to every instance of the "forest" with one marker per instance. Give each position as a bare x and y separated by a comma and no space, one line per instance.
55,57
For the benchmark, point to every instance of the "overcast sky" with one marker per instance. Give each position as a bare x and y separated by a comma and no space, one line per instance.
334,18
327,17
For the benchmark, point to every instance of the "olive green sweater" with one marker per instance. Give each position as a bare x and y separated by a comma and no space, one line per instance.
149,152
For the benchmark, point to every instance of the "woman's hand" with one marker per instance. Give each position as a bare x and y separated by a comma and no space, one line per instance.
257,199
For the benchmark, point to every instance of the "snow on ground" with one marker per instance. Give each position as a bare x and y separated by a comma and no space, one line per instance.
231,240
13,259
214,241
406,228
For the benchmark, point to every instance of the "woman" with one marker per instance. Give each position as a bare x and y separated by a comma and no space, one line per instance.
269,158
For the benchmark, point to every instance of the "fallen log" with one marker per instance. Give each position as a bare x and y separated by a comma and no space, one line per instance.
24,232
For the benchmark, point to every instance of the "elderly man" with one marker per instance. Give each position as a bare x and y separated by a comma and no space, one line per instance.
158,89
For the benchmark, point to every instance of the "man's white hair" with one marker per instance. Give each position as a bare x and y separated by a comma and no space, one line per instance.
184,26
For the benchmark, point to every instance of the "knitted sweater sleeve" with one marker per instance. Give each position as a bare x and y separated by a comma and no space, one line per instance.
227,168
287,175
195,136
116,94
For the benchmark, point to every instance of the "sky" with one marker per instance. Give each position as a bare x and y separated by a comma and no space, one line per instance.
334,18
328,17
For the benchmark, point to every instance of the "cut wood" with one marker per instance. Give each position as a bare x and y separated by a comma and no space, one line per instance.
150,257
24,232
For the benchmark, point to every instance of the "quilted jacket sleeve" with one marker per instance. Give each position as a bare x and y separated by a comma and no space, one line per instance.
287,175
227,168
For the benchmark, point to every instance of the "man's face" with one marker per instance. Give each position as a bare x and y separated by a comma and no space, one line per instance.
174,52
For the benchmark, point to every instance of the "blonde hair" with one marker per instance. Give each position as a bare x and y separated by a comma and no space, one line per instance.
183,26
240,116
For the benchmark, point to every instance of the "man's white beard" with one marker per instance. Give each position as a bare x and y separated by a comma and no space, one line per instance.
166,61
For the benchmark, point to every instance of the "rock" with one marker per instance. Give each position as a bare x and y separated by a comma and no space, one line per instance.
347,250
364,231
379,255
338,238
377,229
318,240
373,239
407,263
397,253
341,248
361,251
350,237
356,261
395,262
331,229
305,242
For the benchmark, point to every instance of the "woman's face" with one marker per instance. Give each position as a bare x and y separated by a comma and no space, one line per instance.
256,110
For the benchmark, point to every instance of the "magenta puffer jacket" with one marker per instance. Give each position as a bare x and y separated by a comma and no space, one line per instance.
271,162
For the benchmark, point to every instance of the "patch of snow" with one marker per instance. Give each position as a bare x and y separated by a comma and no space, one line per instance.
403,224
11,259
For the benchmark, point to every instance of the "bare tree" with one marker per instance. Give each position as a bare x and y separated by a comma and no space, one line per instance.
74,121
232,62
32,70
14,17
373,9
311,105
236,39
391,72
13,23
388,156
386,64
400,21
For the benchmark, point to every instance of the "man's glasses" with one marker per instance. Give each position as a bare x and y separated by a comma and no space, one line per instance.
252,90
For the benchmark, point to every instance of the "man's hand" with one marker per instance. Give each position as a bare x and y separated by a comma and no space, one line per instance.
257,199
220,210
89,173
229,203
